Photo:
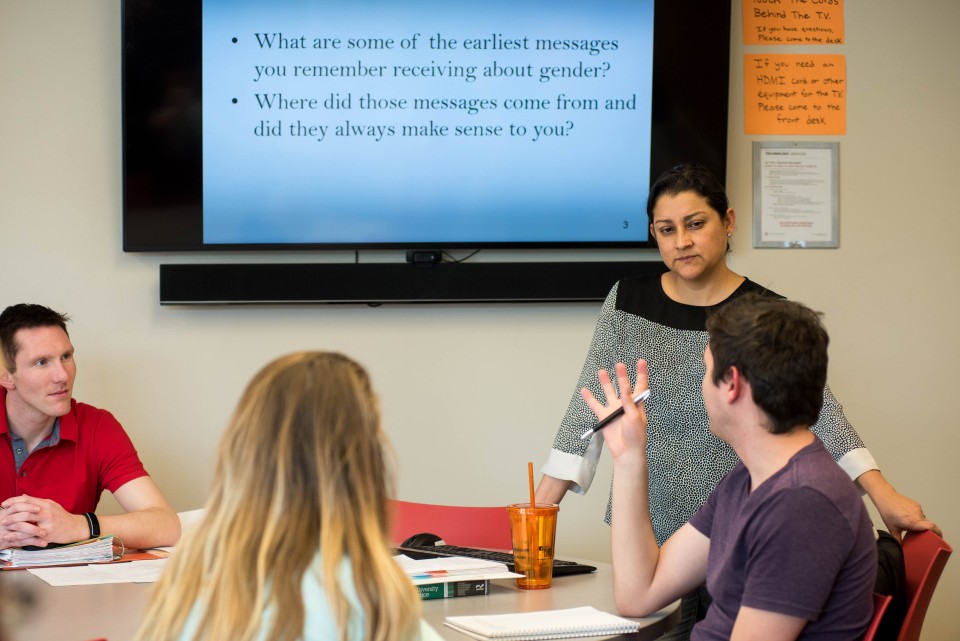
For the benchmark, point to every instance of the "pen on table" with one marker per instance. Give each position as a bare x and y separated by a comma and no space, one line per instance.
617,413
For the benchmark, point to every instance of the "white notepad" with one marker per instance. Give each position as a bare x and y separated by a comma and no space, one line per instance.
550,624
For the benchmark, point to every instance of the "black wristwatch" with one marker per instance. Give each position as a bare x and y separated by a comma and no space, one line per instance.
94,524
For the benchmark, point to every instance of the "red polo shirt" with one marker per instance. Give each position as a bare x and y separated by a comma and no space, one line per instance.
94,454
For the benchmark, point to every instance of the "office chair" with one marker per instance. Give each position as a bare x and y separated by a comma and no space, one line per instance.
476,527
880,604
924,555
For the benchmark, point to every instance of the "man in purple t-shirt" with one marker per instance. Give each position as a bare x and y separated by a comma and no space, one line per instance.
784,543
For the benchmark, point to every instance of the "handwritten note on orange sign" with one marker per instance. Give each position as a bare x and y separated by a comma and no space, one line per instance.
792,22
794,94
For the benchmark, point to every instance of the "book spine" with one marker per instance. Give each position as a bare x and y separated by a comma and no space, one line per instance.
450,589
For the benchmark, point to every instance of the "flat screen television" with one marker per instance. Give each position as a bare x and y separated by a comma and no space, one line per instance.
412,124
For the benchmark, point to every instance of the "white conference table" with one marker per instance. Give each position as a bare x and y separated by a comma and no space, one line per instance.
114,611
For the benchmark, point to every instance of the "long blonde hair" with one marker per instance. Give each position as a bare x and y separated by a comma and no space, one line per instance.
302,470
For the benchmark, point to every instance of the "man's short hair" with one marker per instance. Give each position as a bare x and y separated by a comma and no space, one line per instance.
25,316
780,347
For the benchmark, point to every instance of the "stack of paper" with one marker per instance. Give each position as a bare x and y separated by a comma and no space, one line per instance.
550,624
99,550
452,568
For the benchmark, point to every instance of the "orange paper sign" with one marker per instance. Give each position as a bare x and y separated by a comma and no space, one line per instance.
792,22
794,94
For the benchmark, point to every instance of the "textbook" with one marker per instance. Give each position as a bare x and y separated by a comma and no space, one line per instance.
450,589
549,624
98,550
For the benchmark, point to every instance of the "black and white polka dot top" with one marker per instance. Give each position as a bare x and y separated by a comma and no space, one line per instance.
685,460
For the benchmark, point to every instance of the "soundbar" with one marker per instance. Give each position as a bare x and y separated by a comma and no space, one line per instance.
377,283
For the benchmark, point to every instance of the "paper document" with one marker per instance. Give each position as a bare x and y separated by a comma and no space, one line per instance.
133,572
452,568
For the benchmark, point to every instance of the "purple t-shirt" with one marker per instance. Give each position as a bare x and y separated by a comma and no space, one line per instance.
801,544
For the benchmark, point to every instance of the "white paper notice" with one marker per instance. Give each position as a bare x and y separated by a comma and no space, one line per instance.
797,192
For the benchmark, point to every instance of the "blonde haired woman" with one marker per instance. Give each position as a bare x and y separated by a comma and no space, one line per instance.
293,542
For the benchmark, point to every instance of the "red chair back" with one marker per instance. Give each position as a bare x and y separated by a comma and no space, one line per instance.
880,604
476,527
924,555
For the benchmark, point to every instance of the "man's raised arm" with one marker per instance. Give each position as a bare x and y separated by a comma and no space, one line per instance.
645,578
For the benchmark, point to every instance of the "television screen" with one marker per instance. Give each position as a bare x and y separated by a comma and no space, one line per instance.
412,124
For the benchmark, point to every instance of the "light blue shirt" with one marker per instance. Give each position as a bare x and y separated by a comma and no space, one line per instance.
319,624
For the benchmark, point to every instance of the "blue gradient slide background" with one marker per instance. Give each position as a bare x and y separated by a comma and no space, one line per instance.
585,183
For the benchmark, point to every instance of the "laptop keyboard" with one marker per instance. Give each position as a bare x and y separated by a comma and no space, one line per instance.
560,567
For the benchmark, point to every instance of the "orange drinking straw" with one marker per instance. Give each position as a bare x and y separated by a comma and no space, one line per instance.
533,500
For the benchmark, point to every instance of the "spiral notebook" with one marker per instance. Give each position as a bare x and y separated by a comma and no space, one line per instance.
99,550
550,624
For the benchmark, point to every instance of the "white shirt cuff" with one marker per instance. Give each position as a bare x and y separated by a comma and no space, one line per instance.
856,462
580,470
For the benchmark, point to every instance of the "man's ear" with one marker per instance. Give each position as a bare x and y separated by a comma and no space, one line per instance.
6,379
735,384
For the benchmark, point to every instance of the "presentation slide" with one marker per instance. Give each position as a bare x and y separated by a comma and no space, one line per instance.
349,121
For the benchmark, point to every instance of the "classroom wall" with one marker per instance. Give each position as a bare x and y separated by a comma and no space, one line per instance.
471,392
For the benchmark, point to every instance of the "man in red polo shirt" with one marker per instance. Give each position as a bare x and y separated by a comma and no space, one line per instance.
57,455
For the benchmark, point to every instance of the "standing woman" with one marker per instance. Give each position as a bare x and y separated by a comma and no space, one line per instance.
662,319
293,543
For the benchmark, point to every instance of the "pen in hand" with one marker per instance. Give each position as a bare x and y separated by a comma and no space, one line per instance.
614,415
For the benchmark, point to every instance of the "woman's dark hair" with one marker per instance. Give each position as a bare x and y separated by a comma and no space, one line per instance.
688,177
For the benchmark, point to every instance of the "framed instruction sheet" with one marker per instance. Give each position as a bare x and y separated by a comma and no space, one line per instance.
795,194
